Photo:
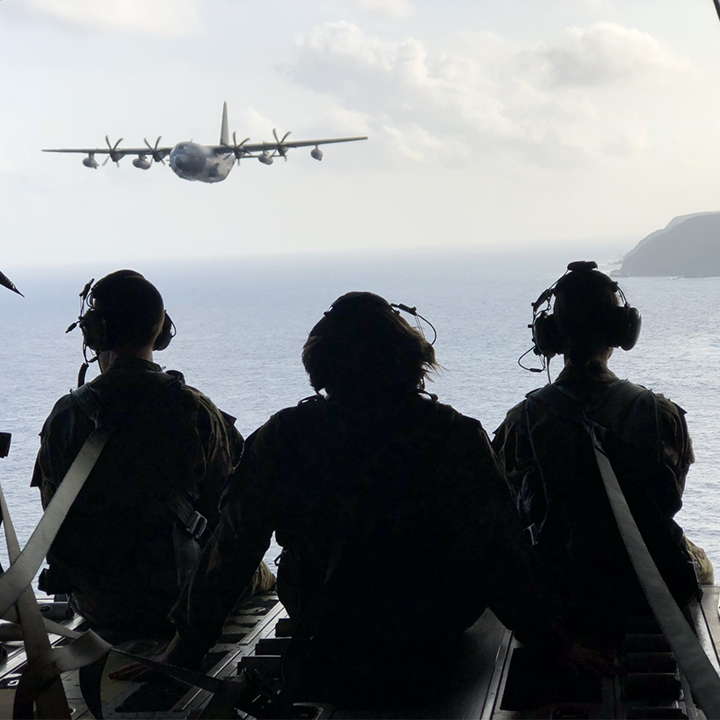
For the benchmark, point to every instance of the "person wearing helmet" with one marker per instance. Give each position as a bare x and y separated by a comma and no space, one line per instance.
553,474
131,538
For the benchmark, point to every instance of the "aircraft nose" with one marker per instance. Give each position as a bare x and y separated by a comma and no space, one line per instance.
188,162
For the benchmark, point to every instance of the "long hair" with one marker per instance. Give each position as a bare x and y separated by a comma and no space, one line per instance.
363,347
585,307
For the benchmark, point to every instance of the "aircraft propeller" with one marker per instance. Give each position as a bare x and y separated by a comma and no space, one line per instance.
112,155
282,150
156,156
237,147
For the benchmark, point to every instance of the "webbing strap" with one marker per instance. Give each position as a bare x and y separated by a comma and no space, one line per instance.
40,684
50,697
701,675
87,652
691,658
23,568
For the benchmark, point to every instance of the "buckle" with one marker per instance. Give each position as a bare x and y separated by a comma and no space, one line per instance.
197,525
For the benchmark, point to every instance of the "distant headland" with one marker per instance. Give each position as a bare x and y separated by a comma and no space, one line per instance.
688,246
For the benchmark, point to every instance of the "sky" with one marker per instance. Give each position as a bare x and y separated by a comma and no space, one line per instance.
493,125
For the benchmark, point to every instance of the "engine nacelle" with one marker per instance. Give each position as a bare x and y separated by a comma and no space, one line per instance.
265,159
141,162
316,153
90,162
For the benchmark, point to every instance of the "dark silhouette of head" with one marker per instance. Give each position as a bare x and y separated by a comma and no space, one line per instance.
126,312
587,310
363,348
591,316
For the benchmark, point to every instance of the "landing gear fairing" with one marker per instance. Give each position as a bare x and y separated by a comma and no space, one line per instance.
205,163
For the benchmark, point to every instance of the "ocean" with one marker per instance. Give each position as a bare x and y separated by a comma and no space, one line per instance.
242,323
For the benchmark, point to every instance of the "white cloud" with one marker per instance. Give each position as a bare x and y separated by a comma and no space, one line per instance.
605,53
413,142
162,18
385,9
253,124
488,95
348,122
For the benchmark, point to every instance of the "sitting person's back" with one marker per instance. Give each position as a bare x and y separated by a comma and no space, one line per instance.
127,542
396,524
549,459
396,530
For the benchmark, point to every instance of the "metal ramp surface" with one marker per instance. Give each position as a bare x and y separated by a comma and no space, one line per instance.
497,678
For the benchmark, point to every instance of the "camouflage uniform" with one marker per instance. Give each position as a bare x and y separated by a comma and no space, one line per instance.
397,532
554,478
115,549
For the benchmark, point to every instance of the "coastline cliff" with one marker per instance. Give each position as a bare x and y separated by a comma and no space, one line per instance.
689,246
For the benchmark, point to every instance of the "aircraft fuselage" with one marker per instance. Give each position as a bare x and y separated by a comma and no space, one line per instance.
192,161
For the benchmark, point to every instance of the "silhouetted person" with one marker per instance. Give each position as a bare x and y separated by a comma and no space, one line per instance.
551,467
396,523
131,537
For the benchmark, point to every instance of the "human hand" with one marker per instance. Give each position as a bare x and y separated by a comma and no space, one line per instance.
580,660
178,652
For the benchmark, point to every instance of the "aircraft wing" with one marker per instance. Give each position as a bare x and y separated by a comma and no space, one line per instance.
288,144
107,151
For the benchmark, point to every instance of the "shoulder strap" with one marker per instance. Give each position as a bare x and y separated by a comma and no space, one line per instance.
621,394
613,404
88,401
87,398
691,657
188,527
618,395
28,562
563,404
631,411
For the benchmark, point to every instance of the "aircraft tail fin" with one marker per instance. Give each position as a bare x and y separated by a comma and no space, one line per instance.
224,132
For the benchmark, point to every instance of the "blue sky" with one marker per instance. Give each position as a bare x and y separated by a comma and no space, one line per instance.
492,124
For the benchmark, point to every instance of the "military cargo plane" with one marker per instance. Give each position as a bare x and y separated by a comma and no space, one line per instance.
206,163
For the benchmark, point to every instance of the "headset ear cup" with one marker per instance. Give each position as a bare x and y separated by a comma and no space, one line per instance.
94,330
628,327
546,335
167,333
